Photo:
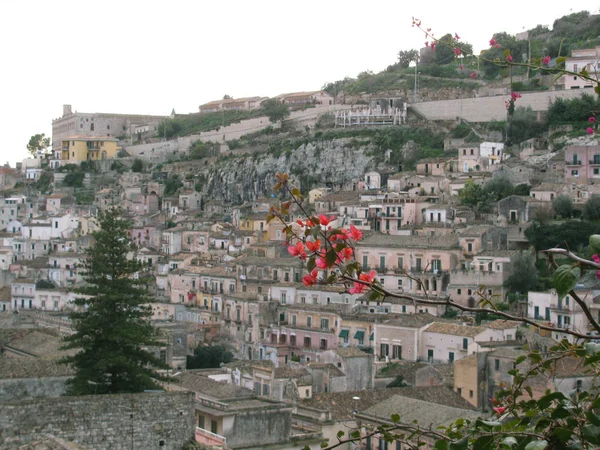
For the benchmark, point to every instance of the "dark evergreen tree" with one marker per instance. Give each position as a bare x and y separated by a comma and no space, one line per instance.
113,328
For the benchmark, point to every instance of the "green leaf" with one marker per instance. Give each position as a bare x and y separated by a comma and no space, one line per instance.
591,348
536,445
593,418
547,400
311,264
595,238
560,60
591,433
565,279
529,391
395,418
463,444
330,257
597,89
509,441
340,433
563,434
441,445
483,442
520,359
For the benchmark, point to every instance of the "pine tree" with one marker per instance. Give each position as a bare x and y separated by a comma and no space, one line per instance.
112,327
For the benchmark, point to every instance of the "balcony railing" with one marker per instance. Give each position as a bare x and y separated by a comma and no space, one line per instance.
595,162
573,163
211,439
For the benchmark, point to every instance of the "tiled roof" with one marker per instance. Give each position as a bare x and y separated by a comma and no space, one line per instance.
502,324
342,404
422,411
212,388
289,372
448,241
454,329
350,352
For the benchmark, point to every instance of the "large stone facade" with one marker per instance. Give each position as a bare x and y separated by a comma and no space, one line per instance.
119,422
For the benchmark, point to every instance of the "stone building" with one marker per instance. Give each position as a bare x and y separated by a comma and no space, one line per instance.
99,125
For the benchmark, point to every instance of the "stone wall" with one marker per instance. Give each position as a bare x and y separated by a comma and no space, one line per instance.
147,421
485,109
21,388
260,427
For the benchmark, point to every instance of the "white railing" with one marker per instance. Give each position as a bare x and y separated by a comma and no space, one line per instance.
206,437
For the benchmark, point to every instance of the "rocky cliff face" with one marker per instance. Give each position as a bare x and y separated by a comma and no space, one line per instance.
339,162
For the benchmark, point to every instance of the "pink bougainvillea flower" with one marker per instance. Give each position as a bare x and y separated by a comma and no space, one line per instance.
515,95
456,36
499,410
596,259
433,44
368,277
321,263
354,233
297,250
299,222
473,75
497,46
313,246
592,119
310,279
509,58
344,255
357,289
457,51
546,60
492,42
426,43
461,67
590,130
324,220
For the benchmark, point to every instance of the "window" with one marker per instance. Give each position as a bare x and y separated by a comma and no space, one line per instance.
470,394
465,343
469,247
307,342
303,300
309,322
283,298
578,385
496,365
200,421
458,291
575,173
403,308
384,350
451,357
400,262
396,352
459,391
383,445
213,426
275,274
325,324
430,355
323,344
399,283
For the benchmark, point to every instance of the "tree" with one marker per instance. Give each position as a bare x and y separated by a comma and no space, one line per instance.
207,357
499,187
405,57
275,110
112,327
447,48
38,143
523,274
474,196
137,166
591,209
563,206
227,97
74,179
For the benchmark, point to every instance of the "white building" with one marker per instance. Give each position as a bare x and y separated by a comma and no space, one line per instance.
562,313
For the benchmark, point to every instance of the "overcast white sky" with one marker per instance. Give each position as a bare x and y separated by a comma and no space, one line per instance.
148,57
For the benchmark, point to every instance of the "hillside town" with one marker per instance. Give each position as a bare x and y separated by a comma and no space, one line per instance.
298,363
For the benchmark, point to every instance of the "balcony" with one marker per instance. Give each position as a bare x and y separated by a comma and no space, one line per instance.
573,163
211,439
595,162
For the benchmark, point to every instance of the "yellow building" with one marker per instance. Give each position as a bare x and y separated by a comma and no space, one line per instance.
83,148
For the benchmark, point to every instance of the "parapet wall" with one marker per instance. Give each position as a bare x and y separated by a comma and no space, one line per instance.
119,422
